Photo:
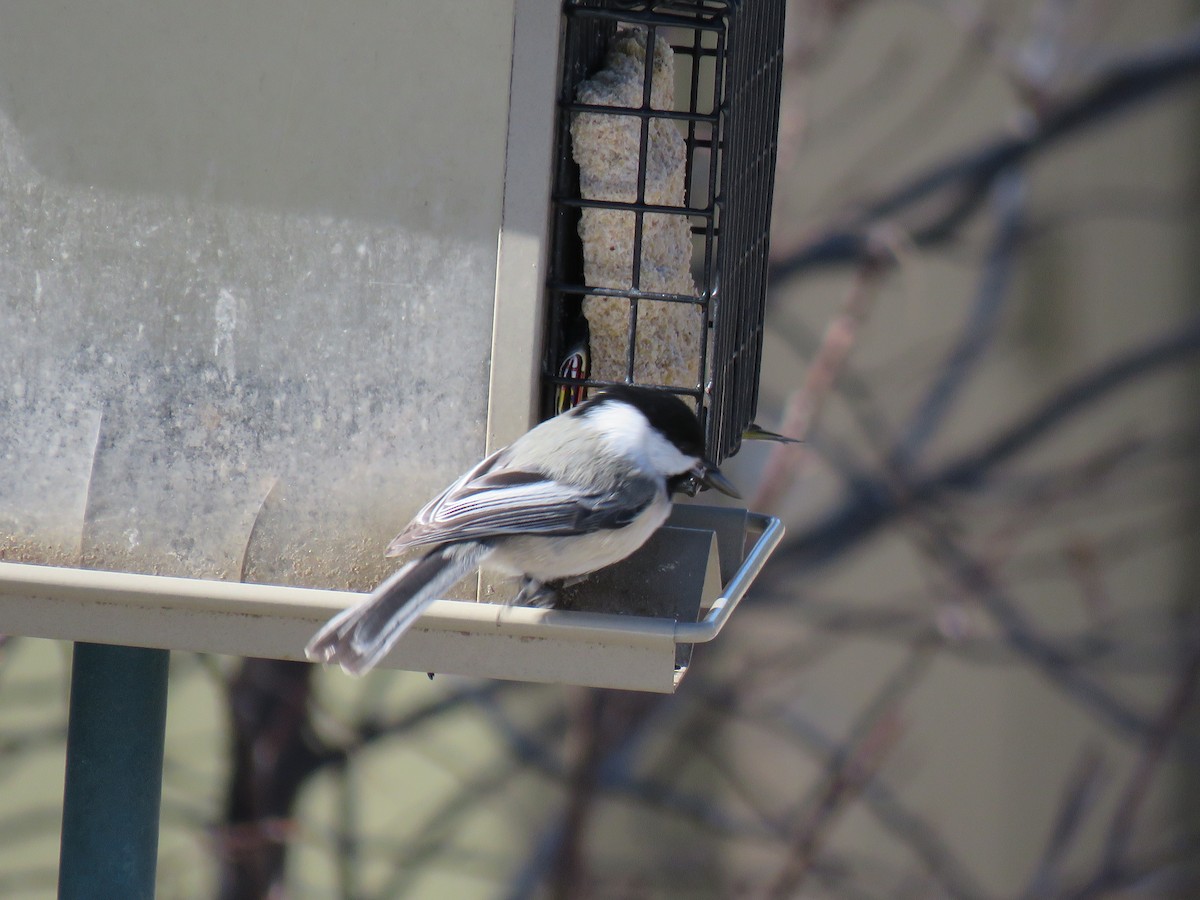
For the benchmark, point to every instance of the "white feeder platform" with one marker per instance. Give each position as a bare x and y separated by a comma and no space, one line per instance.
454,637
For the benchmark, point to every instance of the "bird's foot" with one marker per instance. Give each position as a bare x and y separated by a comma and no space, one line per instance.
535,593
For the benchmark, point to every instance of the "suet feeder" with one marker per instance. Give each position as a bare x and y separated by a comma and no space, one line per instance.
255,312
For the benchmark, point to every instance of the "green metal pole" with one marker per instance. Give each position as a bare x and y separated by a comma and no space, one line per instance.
118,715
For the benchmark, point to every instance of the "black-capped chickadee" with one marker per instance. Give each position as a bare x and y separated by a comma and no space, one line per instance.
573,495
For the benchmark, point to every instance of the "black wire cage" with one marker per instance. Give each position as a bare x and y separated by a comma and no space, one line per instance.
667,136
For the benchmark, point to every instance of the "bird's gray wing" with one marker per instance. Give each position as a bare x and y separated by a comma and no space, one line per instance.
491,501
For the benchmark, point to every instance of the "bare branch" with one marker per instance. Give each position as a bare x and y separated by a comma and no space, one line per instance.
786,460
944,197
1079,799
876,502
1009,201
1165,729
874,736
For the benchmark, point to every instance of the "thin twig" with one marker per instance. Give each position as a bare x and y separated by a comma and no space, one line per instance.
1165,729
875,502
1079,798
786,460
979,582
844,784
874,735
950,192
980,327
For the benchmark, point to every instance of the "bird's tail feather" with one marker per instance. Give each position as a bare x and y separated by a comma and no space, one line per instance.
359,636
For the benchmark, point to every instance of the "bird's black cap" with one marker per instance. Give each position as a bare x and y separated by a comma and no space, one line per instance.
666,412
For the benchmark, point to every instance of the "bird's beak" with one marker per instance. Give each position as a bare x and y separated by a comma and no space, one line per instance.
710,476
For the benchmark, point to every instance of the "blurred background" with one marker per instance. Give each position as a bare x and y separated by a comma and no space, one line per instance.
969,672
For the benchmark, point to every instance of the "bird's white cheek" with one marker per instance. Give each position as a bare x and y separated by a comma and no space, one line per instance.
630,436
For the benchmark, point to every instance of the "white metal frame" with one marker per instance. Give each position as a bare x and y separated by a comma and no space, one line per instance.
517,329
453,637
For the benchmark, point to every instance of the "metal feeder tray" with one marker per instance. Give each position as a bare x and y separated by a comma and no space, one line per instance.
690,577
